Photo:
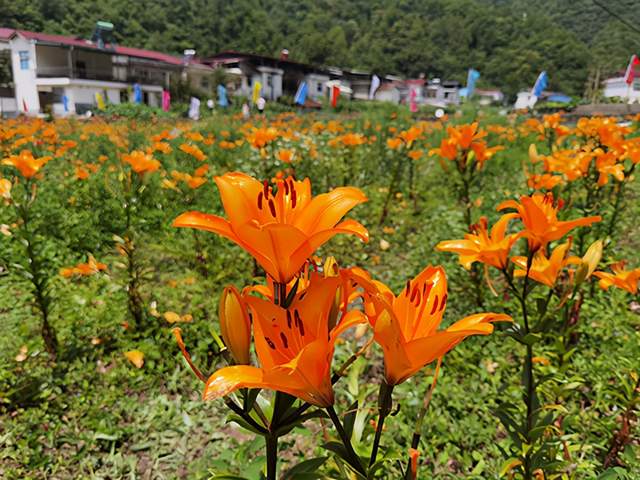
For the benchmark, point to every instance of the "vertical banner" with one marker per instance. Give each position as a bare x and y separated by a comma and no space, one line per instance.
375,84
137,93
166,100
65,103
413,106
257,88
194,109
472,78
335,93
100,101
630,73
222,96
538,88
301,94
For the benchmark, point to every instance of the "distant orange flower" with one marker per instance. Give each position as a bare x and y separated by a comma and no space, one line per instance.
544,181
196,182
539,215
394,143
200,171
415,154
141,162
84,269
286,155
261,137
194,151
26,163
480,246
406,326
280,229
545,270
620,278
294,346
5,188
82,173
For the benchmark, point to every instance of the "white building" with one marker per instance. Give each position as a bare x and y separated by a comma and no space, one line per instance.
63,74
442,93
617,87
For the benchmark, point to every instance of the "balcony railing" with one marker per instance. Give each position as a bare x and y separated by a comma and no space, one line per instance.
120,75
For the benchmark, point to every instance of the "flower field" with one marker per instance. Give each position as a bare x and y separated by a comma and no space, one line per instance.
360,295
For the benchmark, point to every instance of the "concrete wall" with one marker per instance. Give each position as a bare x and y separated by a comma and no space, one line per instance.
316,85
25,80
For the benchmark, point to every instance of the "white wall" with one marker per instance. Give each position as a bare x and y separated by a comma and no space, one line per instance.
316,85
25,80
617,87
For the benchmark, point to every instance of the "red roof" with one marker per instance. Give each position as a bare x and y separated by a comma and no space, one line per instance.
6,33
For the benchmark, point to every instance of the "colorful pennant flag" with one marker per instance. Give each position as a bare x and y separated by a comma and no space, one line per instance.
100,101
630,74
301,94
65,103
472,78
413,106
375,84
538,88
137,93
222,96
335,93
257,88
166,100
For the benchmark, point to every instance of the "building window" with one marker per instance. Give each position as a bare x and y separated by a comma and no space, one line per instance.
24,60
269,81
204,83
319,87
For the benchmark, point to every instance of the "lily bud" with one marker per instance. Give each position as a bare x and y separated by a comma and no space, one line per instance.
533,153
235,325
331,269
589,262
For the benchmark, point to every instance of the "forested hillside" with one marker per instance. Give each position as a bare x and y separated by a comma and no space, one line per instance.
509,41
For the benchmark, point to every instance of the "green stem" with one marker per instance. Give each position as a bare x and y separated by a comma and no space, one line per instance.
272,456
528,366
354,460
392,187
384,408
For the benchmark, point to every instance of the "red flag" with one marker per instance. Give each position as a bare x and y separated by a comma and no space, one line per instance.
335,93
629,75
24,105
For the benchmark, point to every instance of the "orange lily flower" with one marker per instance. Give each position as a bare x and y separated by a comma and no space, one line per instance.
480,246
84,269
406,326
394,143
544,181
141,162
294,346
286,155
621,278
281,229
539,215
26,163
5,188
546,270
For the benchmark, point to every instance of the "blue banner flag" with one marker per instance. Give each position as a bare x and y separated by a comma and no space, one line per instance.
301,94
472,78
540,85
223,101
137,93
